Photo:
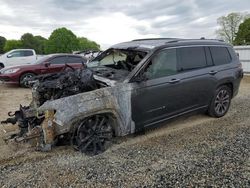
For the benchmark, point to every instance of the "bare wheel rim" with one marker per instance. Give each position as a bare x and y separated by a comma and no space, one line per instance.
93,133
222,102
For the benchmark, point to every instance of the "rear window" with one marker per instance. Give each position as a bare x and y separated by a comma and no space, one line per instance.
72,59
58,60
220,55
191,58
27,53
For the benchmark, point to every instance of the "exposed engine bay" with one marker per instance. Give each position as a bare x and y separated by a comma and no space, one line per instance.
112,65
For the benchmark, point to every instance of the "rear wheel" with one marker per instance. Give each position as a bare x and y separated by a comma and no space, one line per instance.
23,79
93,135
220,102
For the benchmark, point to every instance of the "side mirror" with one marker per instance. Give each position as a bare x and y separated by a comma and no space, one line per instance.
46,64
9,56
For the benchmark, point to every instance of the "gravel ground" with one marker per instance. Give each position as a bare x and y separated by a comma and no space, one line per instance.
197,151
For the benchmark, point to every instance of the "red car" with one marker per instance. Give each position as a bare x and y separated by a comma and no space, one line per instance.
49,64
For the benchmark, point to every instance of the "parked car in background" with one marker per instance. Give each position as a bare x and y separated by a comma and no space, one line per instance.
88,54
18,57
48,64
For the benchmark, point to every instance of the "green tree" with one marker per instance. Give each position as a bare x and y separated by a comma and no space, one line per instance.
85,44
28,41
40,49
243,34
229,26
34,42
12,44
2,43
61,40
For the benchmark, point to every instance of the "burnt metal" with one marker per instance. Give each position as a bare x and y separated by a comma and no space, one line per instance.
63,84
93,134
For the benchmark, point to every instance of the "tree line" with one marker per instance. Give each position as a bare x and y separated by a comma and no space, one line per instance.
234,28
61,40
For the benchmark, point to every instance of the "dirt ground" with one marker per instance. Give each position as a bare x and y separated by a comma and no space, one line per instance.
194,151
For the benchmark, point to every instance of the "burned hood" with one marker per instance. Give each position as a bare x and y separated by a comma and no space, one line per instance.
110,73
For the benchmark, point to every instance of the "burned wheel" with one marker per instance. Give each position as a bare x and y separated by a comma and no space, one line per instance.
93,135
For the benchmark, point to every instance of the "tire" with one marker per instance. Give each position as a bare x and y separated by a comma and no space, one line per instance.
24,77
1,65
93,134
220,102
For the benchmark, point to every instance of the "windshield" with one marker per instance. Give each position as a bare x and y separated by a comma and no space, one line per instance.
118,59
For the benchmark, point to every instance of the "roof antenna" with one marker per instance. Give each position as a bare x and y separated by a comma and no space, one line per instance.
202,38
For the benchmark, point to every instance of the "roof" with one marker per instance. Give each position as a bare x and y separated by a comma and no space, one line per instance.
151,43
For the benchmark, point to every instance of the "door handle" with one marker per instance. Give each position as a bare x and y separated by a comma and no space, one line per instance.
173,81
212,72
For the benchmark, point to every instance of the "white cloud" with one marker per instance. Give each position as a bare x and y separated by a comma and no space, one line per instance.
109,21
113,28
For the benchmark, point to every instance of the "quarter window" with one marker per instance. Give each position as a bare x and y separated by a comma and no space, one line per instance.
162,64
220,55
191,58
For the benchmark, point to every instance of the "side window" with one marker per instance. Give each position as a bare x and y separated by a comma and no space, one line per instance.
15,54
72,59
191,58
162,64
220,55
27,53
58,60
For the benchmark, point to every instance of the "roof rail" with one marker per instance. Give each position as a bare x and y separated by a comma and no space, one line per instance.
203,38
154,39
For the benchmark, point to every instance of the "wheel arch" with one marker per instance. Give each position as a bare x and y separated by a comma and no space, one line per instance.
228,84
2,65
116,122
26,72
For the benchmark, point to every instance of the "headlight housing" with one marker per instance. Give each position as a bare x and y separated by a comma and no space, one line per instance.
9,71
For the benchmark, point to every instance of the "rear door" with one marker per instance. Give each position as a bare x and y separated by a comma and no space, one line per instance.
75,61
29,56
197,75
57,64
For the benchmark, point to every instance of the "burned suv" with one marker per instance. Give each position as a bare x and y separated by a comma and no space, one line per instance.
128,88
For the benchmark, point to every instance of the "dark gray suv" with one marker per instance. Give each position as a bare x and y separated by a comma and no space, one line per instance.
132,86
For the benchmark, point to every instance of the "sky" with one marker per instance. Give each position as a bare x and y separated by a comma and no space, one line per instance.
111,21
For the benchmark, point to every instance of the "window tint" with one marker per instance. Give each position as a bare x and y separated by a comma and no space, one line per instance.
220,55
191,58
21,53
72,59
162,64
209,57
16,54
27,53
58,60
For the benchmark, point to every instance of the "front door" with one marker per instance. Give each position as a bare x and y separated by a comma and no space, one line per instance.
161,94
